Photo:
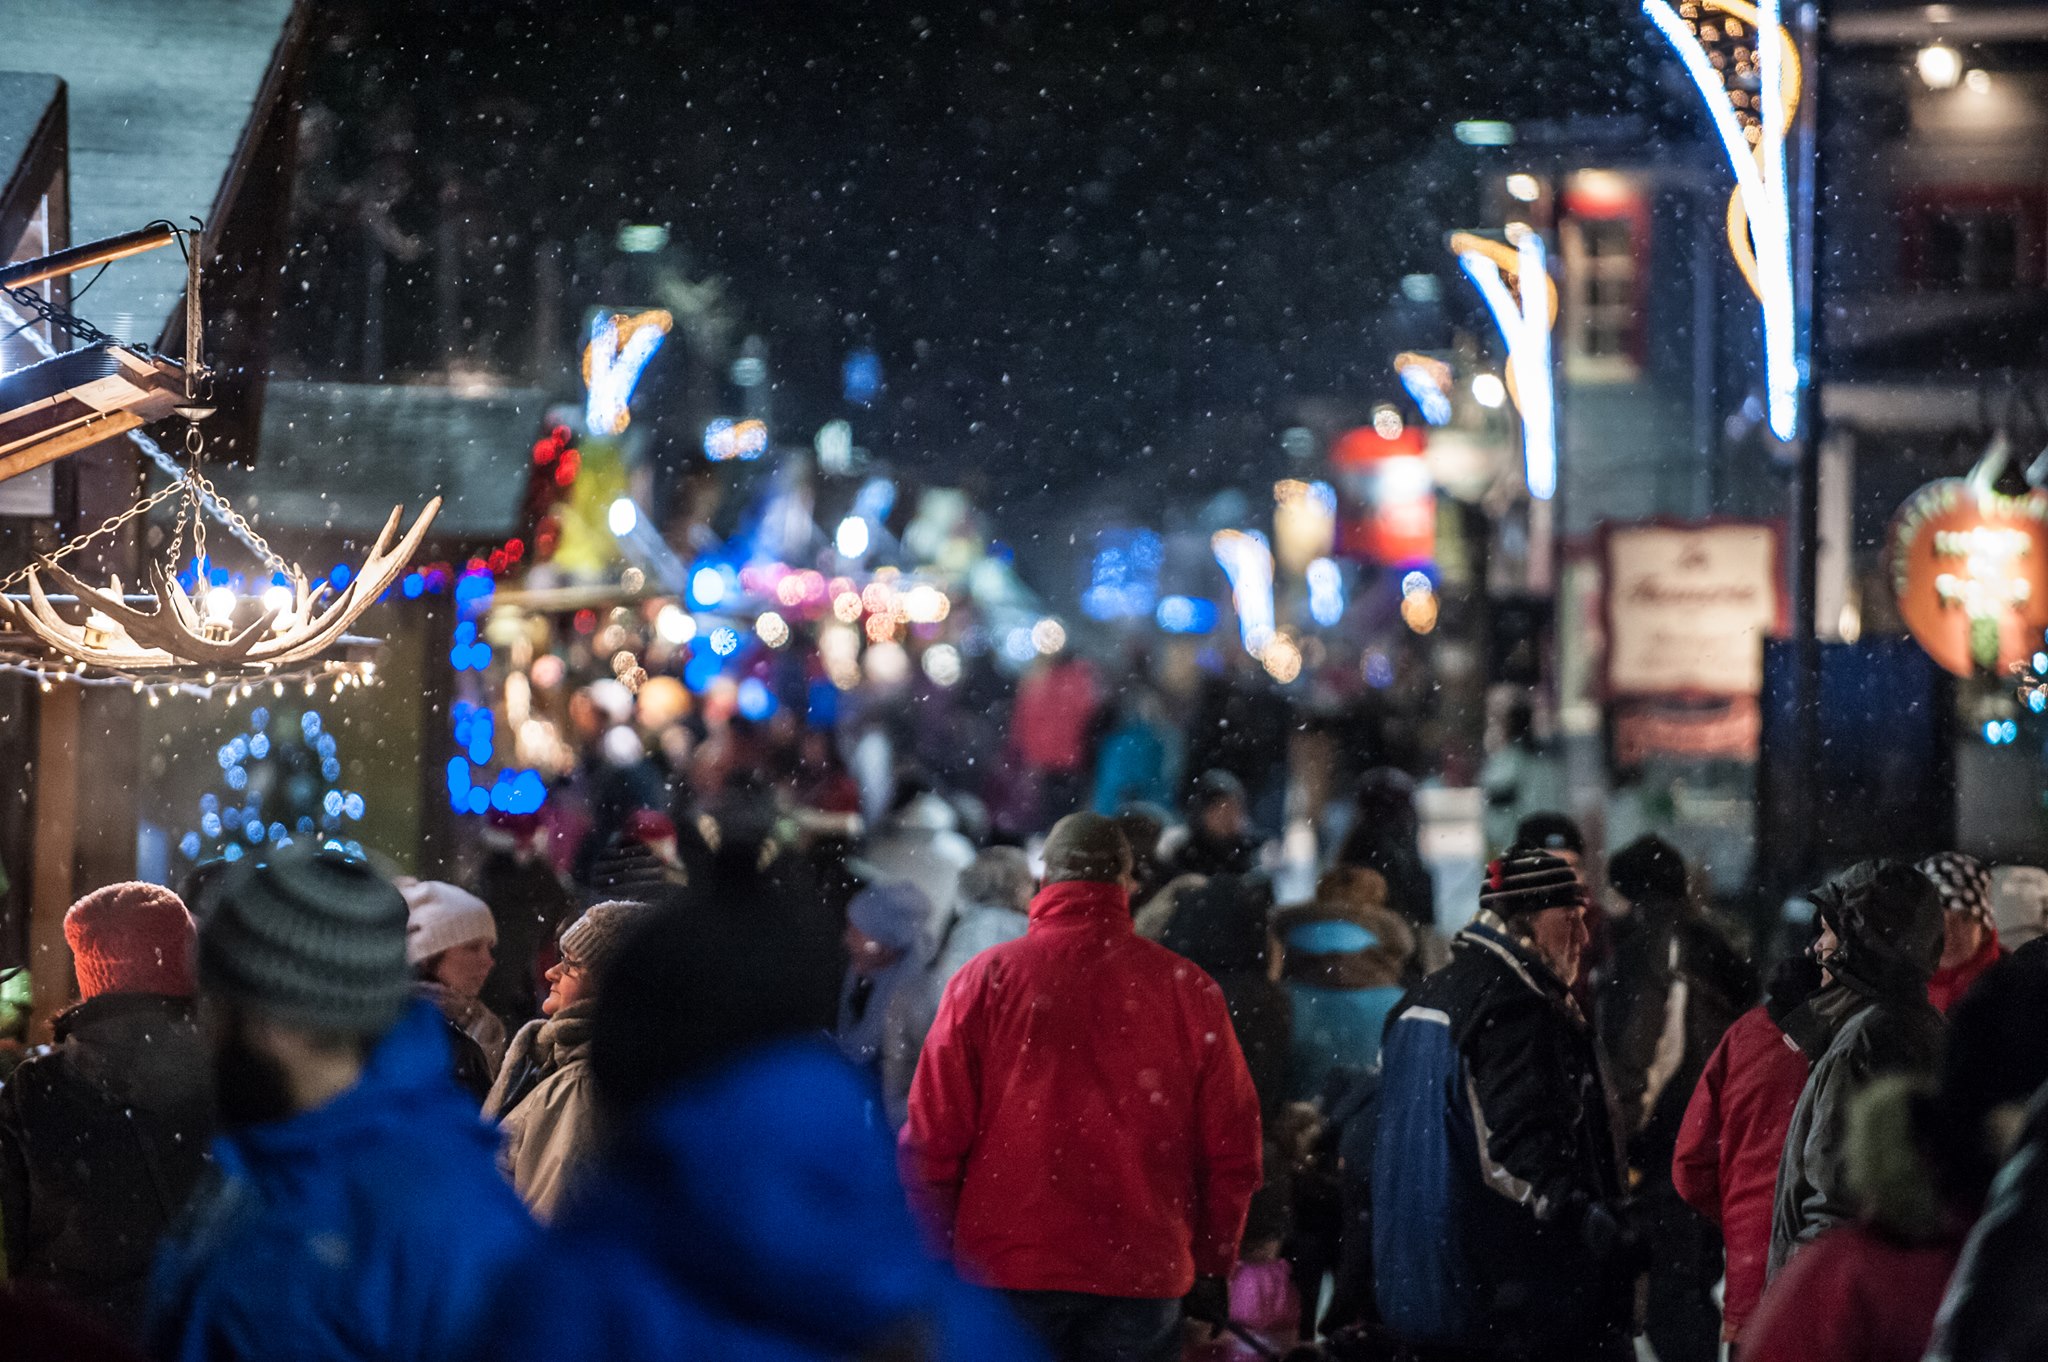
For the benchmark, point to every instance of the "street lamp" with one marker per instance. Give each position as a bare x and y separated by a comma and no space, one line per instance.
1940,66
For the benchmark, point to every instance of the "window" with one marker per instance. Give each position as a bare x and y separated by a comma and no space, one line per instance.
1977,249
1965,238
1602,309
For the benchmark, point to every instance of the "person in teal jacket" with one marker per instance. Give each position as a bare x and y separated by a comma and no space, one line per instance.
1345,956
356,1211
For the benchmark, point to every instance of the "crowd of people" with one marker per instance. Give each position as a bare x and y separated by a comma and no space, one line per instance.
745,1072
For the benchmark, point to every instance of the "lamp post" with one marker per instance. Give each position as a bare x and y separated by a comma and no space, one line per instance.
1725,47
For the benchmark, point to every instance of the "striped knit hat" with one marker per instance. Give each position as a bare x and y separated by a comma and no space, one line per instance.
1529,882
312,938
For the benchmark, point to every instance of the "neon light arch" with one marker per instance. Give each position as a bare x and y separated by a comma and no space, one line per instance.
1752,132
1516,283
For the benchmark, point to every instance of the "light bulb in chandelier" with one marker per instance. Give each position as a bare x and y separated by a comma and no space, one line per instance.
278,600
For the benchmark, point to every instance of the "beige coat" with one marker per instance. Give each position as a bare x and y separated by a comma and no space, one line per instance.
550,1128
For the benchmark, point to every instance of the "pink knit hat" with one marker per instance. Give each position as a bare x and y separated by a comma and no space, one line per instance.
131,938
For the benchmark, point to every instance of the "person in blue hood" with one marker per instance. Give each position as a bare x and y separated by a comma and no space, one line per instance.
746,1205
356,1211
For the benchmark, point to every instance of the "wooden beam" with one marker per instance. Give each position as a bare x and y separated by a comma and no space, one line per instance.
95,428
53,856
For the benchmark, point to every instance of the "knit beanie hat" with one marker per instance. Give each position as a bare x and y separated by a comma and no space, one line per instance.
595,938
1648,868
442,916
1549,832
895,914
1086,846
1214,787
313,938
2019,903
131,938
1963,882
1529,882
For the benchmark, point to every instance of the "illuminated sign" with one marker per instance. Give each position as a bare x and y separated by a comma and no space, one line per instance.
1970,569
1390,478
726,440
620,346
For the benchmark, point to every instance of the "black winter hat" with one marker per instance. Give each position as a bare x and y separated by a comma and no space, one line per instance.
1648,868
1221,926
1530,882
312,938
1887,920
1549,832
1213,787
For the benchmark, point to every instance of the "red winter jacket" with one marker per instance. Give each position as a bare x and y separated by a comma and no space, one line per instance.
1082,1119
1726,1162
1951,983
1853,1295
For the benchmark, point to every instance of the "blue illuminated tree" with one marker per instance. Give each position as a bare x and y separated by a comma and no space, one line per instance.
281,783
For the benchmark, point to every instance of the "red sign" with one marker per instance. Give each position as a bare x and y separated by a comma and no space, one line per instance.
1389,478
1970,569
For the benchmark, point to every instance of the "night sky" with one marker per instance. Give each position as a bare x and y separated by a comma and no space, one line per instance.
1087,240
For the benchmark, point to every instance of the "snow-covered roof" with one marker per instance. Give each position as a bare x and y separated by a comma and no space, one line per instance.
160,95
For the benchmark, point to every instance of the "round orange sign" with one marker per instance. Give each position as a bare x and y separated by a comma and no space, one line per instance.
1970,569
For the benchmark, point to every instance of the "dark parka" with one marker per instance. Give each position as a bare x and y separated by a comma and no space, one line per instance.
1876,1019
1222,927
1496,1143
102,1140
1995,1310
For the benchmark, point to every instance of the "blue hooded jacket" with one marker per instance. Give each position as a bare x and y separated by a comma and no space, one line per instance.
754,1213
376,1226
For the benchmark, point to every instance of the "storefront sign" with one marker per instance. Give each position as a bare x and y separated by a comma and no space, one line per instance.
1689,607
1970,569
1713,729
1387,477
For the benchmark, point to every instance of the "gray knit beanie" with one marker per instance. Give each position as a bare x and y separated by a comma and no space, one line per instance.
312,938
1086,846
593,939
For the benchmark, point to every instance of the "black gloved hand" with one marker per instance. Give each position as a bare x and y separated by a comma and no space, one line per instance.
1612,1233
1208,1302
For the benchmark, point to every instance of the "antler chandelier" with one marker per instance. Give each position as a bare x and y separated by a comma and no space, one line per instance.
172,636
287,630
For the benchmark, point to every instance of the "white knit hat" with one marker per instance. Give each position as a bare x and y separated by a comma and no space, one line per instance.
442,916
2019,903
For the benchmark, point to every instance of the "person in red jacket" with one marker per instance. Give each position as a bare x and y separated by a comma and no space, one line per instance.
1868,1290
1969,944
1083,1132
1726,1162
